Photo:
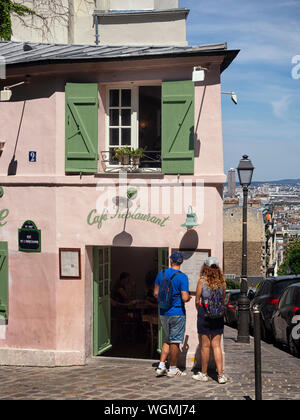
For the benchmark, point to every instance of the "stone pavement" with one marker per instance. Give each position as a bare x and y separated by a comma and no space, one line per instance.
116,379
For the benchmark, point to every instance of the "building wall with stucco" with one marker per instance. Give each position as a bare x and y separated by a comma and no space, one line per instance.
232,230
50,319
78,25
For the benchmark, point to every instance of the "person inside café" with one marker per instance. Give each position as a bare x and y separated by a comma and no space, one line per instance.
121,297
122,307
150,299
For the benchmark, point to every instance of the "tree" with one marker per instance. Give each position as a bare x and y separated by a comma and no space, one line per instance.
7,7
291,262
231,284
40,15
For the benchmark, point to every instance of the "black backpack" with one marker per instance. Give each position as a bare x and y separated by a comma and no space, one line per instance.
165,294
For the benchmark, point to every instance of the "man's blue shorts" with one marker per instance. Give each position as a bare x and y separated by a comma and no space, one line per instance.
174,328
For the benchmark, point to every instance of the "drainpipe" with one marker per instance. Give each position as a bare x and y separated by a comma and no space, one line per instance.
70,21
96,21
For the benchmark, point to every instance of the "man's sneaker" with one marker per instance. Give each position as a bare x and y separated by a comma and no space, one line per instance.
200,377
175,372
222,379
161,372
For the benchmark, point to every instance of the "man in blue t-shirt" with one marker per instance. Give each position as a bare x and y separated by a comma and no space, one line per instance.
173,319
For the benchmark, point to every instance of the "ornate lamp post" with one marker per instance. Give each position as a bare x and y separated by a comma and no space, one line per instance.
245,172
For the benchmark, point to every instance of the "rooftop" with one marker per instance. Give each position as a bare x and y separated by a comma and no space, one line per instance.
107,13
16,53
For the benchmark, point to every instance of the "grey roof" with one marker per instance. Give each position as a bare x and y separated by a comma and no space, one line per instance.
29,52
109,13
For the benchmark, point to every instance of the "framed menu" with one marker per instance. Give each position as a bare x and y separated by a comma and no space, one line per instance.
192,264
69,263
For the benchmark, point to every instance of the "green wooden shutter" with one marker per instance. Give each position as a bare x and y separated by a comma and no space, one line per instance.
81,127
4,280
178,127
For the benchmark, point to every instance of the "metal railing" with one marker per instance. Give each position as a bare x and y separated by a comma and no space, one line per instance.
150,162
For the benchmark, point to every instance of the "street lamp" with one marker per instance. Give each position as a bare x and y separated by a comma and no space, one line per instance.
245,172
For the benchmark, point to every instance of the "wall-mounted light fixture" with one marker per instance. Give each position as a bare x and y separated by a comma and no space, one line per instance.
199,74
233,96
6,93
191,219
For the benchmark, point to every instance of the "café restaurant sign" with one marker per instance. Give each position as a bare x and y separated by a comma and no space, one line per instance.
29,237
96,219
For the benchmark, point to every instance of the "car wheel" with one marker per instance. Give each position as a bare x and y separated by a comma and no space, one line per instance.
294,349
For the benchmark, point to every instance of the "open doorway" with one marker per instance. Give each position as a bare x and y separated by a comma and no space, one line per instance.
127,321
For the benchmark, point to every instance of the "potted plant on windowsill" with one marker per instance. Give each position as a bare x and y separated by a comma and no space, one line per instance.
123,155
137,154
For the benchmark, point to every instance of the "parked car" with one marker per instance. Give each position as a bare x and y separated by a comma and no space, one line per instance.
266,298
231,299
231,305
286,319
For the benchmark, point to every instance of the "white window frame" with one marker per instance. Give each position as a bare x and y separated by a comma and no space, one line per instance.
134,116
134,87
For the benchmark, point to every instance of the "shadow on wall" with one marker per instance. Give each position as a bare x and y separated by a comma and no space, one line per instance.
124,238
13,165
197,140
183,353
197,363
34,90
190,240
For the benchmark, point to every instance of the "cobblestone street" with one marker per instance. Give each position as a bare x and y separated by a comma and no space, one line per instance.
114,379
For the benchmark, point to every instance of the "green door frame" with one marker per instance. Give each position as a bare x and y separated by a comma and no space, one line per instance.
101,300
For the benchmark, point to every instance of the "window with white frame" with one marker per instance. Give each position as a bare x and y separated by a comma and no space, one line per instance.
134,121
120,115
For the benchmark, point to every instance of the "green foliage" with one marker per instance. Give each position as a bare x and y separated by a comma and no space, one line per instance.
231,284
121,151
7,7
140,152
291,263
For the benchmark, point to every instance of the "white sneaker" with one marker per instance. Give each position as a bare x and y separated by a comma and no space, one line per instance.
201,377
222,379
161,372
175,372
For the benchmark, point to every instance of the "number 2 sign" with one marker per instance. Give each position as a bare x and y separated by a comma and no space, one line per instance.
32,156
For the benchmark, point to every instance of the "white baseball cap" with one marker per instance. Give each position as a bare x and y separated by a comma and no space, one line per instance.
211,261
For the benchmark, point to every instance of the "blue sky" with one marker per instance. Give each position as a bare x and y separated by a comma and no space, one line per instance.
266,122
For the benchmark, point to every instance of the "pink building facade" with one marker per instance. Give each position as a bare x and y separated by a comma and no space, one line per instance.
68,222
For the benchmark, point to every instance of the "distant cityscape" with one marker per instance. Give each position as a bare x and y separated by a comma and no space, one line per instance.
275,206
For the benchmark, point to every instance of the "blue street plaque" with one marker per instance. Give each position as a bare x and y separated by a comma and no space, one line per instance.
32,156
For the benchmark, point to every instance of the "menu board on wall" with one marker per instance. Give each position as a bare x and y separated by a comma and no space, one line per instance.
69,263
192,264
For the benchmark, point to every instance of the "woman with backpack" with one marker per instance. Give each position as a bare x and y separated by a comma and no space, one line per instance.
210,295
